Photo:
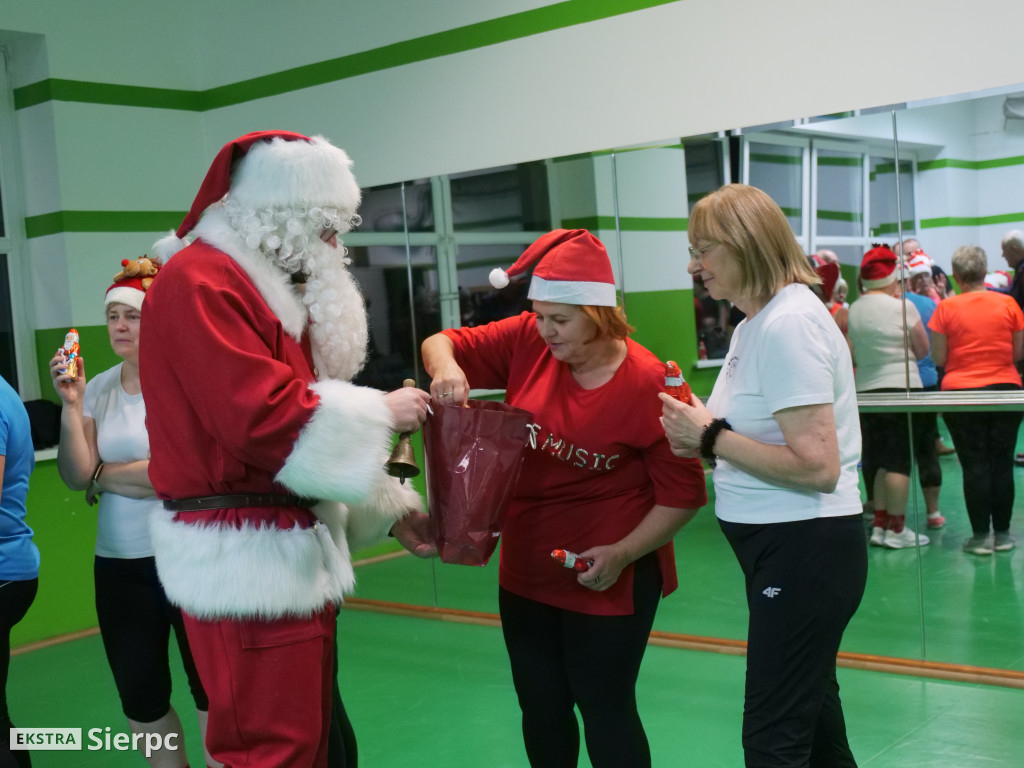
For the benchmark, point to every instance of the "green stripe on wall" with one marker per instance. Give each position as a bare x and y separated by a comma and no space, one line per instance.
824,215
890,228
851,162
972,221
970,165
891,167
101,221
764,157
482,34
56,89
628,223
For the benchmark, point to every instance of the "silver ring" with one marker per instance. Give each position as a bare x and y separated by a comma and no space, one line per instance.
447,394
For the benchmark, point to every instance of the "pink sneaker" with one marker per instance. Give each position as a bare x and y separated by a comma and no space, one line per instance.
936,520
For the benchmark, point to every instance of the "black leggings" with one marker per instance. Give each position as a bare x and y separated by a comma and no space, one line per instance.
804,582
342,751
15,599
561,659
985,444
135,622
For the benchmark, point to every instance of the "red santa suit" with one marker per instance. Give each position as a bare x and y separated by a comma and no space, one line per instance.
235,407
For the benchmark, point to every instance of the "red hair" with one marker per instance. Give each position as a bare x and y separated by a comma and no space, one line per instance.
610,321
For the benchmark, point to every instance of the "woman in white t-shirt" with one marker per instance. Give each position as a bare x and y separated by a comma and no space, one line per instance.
878,339
104,449
782,433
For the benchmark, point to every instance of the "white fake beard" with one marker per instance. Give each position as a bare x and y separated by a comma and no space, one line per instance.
338,331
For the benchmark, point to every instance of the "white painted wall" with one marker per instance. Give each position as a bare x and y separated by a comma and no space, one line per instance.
674,70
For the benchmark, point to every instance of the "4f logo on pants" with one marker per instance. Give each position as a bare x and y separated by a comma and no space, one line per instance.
771,591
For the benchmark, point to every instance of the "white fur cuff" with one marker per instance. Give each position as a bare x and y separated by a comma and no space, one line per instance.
369,521
338,455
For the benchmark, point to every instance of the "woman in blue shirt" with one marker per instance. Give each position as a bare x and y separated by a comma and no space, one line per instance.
19,556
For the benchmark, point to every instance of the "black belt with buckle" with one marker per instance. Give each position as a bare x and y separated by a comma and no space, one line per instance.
236,500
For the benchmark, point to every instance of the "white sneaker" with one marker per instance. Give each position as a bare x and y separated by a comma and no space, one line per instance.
978,545
905,538
877,536
1003,542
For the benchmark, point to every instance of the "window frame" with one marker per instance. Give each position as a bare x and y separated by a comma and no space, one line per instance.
13,244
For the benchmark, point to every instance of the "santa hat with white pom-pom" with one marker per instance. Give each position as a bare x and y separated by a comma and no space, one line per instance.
572,267
271,169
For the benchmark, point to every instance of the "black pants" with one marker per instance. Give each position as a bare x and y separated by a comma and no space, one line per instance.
135,621
884,445
985,444
341,741
561,659
15,599
804,582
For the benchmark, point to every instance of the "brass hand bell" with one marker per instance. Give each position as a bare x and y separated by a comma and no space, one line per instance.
402,463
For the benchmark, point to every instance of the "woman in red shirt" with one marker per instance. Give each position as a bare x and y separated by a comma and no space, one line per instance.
598,479
978,336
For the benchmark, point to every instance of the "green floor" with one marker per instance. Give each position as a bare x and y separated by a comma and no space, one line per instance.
435,694
936,604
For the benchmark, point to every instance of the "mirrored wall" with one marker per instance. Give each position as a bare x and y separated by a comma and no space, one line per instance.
945,173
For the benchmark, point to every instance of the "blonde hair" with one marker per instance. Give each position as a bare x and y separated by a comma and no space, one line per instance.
754,228
969,264
610,321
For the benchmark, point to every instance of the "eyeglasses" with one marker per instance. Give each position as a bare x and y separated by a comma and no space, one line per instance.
697,253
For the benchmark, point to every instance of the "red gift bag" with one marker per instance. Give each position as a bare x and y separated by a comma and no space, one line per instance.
473,456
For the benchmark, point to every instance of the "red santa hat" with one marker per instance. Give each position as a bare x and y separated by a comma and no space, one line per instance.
272,169
829,274
572,267
998,280
919,263
130,285
878,268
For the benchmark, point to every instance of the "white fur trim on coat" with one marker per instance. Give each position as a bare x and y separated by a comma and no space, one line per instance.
389,501
221,571
339,454
166,247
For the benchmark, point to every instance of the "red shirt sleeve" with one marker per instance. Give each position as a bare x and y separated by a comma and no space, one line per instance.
486,353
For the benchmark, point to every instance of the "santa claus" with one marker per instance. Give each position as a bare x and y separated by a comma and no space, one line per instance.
270,463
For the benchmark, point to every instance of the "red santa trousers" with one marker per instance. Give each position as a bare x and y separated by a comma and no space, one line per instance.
269,684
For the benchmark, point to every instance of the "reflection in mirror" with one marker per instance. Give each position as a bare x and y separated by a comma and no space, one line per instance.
779,170
840,193
383,273
422,256
408,206
960,166
706,163
797,169
967,160
837,188
511,198
479,301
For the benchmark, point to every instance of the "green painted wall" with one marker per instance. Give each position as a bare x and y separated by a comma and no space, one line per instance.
666,324
65,532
